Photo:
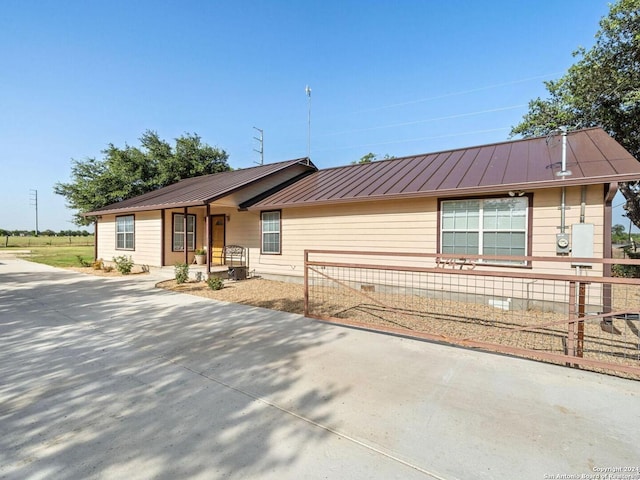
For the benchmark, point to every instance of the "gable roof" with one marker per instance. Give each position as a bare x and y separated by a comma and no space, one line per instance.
200,190
593,157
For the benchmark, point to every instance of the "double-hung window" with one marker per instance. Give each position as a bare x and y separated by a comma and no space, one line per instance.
270,226
178,232
125,232
491,226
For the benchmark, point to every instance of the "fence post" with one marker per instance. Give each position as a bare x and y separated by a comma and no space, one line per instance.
581,313
571,325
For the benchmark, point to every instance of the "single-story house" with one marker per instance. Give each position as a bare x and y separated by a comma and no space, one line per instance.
521,197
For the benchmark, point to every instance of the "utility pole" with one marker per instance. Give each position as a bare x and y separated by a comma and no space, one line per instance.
33,200
308,92
261,149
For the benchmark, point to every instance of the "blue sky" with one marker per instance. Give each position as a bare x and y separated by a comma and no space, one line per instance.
388,77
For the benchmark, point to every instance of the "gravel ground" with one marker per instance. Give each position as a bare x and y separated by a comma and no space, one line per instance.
283,296
448,319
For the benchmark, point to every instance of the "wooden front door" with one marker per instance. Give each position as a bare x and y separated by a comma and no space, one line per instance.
217,239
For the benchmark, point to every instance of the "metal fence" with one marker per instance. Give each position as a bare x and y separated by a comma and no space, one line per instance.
579,317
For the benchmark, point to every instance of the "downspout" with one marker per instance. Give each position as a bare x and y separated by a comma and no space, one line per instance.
609,193
563,173
563,207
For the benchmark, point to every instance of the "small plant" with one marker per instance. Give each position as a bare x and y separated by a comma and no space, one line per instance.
98,264
182,272
124,264
200,251
215,283
107,268
82,261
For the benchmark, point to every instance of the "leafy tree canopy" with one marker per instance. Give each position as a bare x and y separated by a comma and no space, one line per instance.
601,89
371,157
130,171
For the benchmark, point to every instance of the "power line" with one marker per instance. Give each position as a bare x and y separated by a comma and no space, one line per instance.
461,92
408,140
434,119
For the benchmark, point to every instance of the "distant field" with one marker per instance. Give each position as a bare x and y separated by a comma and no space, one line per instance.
43,241
58,256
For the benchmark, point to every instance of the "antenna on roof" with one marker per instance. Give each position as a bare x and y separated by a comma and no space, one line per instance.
308,92
261,149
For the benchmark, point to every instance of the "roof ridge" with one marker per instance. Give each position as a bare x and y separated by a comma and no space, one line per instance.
451,150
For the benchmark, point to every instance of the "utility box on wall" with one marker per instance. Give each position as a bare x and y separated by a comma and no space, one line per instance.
562,244
582,236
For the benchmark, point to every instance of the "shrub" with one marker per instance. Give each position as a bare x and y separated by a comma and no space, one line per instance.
98,264
215,283
182,272
626,271
83,262
124,264
107,268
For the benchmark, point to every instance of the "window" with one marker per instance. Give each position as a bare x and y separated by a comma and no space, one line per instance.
270,232
493,226
178,232
125,234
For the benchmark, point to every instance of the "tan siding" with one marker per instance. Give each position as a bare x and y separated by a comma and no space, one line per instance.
147,239
253,190
411,226
546,222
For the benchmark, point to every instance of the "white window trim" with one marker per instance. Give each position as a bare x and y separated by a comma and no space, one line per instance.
191,237
481,230
123,234
263,233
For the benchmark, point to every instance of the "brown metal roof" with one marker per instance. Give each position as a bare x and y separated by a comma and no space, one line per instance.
593,157
199,190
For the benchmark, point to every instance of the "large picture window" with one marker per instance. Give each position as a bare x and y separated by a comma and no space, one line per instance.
270,222
125,232
178,232
492,226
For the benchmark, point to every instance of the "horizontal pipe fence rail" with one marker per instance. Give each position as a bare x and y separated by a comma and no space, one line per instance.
562,310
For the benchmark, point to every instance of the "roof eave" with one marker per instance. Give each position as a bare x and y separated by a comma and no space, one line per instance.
144,208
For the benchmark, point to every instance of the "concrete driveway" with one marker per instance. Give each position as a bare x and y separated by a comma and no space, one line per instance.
111,378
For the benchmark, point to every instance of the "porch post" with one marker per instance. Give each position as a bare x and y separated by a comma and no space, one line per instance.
95,240
162,237
207,225
186,246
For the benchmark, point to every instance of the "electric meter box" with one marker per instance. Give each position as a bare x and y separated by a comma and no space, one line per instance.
582,235
562,244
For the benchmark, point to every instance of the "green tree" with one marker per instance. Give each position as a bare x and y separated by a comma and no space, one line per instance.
126,172
601,89
618,233
371,157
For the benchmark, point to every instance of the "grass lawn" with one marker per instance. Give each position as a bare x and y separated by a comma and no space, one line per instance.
45,241
61,256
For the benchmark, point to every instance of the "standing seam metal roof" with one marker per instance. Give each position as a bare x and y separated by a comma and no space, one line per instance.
199,190
592,156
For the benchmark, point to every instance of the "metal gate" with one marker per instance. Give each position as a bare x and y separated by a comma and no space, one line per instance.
576,315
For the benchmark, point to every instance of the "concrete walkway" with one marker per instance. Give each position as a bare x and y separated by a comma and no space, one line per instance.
112,378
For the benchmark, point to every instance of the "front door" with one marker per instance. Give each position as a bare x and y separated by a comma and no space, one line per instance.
217,239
